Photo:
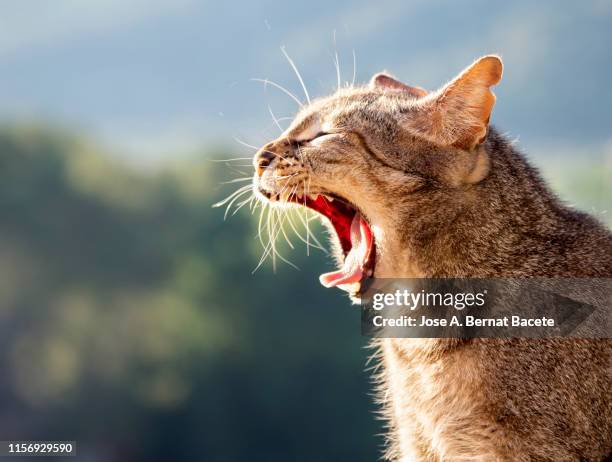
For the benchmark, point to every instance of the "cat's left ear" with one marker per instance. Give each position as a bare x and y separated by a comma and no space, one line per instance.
458,114
384,81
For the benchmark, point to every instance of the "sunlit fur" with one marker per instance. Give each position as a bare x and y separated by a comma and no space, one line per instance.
448,196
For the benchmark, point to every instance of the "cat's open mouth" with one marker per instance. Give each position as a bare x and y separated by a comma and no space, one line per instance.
355,236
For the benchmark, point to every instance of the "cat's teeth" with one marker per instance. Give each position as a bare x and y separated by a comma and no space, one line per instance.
300,196
329,198
314,197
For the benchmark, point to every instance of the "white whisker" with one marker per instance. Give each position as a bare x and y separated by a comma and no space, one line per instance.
237,180
276,121
282,221
229,205
254,204
244,143
299,151
281,88
297,73
284,177
228,198
337,61
354,68
286,216
299,235
242,204
235,159
306,190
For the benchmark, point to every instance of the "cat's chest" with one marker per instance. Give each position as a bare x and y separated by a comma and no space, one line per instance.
428,378
433,401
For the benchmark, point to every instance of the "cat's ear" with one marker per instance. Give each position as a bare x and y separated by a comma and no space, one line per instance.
458,114
386,82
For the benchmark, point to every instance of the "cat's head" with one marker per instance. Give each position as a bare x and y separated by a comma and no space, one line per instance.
368,158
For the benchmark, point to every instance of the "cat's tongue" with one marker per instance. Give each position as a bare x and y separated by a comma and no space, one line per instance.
354,263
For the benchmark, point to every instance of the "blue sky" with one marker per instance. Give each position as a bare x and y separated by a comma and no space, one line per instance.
155,78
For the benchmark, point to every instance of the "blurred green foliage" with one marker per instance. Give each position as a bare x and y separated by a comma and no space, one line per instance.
130,319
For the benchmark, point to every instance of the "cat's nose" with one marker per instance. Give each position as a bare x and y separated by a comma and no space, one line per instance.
262,160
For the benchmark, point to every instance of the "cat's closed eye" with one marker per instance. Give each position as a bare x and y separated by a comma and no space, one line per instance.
321,137
309,140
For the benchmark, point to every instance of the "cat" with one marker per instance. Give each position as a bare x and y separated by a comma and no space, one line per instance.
417,184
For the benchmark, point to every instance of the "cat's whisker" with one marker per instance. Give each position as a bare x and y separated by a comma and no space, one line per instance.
306,192
295,230
240,190
317,244
284,177
261,261
270,245
297,73
309,213
280,228
281,88
274,254
244,143
254,205
286,185
272,220
238,180
281,156
300,155
241,204
284,233
229,205
274,225
276,121
273,230
304,221
234,159
232,167
337,62
354,68
262,212
286,215
270,249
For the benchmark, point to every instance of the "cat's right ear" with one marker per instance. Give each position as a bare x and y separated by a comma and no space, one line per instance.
458,114
386,82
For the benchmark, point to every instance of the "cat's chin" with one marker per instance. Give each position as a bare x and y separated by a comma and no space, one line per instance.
353,232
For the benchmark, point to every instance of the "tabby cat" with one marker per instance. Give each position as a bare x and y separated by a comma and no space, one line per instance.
416,184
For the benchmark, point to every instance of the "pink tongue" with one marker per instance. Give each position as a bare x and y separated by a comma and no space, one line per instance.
352,270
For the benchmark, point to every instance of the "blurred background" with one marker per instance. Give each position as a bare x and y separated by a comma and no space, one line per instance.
130,319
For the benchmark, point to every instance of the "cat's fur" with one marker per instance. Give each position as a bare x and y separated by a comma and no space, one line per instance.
448,196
